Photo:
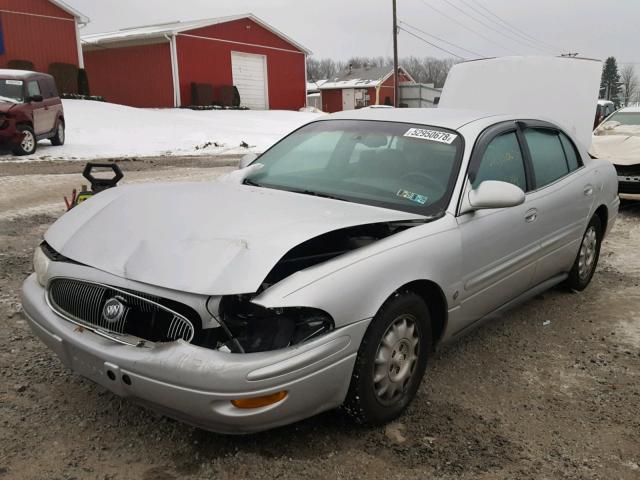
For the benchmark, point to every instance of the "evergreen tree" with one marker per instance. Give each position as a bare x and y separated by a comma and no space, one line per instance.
610,81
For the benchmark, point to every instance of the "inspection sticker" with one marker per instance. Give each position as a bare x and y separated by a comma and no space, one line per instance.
433,135
14,82
414,197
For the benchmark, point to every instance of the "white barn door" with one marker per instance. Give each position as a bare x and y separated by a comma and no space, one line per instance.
250,77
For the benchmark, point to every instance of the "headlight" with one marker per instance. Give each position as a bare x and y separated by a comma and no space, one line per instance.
40,265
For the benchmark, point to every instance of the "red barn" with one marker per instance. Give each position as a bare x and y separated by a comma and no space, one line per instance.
361,87
40,31
155,66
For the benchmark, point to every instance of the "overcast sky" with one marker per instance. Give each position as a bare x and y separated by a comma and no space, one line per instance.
344,28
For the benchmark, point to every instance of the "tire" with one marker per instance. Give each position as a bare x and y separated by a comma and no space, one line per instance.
585,264
29,144
58,139
367,401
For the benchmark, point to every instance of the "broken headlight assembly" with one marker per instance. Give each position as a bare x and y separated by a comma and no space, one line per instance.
252,328
41,262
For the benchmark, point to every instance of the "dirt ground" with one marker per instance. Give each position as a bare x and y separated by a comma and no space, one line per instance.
516,399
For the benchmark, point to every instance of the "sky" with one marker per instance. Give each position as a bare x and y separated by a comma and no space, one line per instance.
344,28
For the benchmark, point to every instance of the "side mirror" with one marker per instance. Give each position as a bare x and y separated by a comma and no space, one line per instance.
495,194
246,160
36,98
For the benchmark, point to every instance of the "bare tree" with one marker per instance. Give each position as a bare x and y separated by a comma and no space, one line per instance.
629,82
423,70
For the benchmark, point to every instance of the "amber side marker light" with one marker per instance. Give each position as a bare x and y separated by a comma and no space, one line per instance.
257,402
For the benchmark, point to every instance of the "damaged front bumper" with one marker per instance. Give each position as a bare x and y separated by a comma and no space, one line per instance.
196,385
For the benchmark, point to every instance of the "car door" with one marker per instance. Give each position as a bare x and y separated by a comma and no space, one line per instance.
562,198
52,104
40,124
499,246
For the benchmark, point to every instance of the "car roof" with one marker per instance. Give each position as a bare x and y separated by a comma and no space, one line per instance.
629,109
20,74
442,117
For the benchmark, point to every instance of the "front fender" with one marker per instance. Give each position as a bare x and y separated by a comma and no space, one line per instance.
354,286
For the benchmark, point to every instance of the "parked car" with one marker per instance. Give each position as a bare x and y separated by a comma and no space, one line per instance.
618,140
604,108
326,271
30,111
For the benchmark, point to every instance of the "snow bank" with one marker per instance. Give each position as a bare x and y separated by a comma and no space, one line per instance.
106,130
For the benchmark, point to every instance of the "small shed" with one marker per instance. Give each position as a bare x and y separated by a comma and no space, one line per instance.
164,65
360,87
34,34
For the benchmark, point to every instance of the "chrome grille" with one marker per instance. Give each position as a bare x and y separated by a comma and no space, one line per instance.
144,316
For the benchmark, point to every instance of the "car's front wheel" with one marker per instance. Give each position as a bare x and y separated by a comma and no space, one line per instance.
58,139
391,360
28,144
585,264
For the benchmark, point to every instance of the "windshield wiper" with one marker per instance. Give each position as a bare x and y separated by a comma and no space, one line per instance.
318,194
8,99
247,181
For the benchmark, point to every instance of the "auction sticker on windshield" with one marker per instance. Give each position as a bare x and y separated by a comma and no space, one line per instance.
433,135
14,82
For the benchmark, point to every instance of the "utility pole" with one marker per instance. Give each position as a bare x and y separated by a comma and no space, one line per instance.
395,56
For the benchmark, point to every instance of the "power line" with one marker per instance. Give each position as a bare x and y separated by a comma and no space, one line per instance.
480,55
428,42
514,28
506,26
509,37
428,5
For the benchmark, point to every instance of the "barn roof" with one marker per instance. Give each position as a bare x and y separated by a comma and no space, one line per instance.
363,77
174,28
71,11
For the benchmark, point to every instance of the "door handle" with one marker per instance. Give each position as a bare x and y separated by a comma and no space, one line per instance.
531,215
588,190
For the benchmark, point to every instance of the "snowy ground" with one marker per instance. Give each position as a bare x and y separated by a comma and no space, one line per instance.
106,130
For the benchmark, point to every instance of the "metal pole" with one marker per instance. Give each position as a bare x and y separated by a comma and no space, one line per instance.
395,56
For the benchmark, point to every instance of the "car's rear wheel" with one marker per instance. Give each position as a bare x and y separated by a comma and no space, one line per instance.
58,139
585,264
28,144
391,360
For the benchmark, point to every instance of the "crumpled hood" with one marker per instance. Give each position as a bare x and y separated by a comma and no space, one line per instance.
206,238
6,106
620,144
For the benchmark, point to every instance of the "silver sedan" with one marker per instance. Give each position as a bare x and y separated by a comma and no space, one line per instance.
324,273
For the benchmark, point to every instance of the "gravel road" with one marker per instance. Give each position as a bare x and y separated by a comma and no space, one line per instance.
516,398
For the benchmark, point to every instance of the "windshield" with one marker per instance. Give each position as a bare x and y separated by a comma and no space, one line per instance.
625,118
11,90
387,164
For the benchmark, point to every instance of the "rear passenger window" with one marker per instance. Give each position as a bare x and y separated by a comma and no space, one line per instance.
570,152
547,155
33,88
502,161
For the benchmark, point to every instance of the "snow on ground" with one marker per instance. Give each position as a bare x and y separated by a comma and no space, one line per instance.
106,130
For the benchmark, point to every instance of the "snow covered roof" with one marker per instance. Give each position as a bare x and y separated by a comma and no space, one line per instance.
363,77
174,28
314,86
71,11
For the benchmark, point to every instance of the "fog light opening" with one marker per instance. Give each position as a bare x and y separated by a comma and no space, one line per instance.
258,402
126,379
111,375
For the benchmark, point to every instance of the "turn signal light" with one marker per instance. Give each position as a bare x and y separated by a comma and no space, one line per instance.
257,402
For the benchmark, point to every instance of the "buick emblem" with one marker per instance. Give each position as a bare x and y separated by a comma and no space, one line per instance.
113,310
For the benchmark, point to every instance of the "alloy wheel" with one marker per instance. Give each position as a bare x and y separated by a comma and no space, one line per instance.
28,142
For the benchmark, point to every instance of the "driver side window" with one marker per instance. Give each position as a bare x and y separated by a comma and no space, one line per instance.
502,160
